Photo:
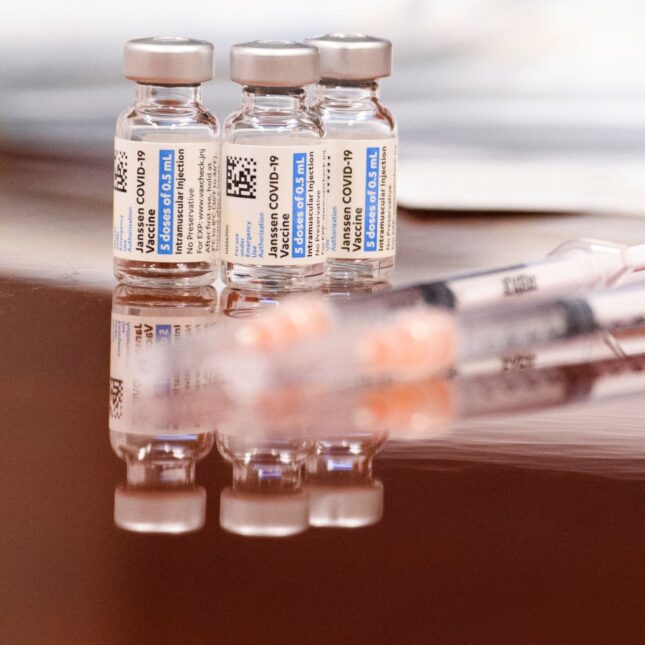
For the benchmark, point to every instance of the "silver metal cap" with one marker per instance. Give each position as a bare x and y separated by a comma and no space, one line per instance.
160,511
263,515
353,57
345,506
168,61
274,63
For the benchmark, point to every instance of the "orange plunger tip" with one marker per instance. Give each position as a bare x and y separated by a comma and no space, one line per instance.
291,322
416,342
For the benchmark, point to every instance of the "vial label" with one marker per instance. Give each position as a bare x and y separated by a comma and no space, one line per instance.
362,198
165,201
132,393
273,210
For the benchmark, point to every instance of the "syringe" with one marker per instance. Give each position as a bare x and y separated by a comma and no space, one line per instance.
301,325
575,267
428,408
584,349
414,410
421,341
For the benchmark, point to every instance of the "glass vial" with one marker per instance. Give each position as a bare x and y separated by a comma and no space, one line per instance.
160,446
266,499
160,494
273,214
342,491
142,320
362,144
166,192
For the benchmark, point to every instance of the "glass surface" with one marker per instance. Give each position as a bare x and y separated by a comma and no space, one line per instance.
484,517
273,117
354,111
169,114
542,512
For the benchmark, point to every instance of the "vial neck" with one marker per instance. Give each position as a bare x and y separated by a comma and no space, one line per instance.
347,93
168,96
276,100
266,478
158,475
351,467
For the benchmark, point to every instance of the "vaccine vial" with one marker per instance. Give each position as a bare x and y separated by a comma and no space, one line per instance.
160,494
339,481
362,144
273,213
266,498
160,445
143,320
166,193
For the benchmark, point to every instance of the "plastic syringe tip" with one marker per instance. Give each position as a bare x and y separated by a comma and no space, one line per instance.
637,256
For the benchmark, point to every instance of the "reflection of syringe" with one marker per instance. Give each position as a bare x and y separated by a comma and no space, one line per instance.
575,267
427,408
585,349
418,410
421,341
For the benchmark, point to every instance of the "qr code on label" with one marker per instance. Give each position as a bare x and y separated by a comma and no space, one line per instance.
241,177
116,398
120,171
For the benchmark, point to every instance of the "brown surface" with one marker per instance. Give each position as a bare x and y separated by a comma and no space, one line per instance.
473,547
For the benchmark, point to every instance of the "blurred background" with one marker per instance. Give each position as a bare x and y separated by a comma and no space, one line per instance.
491,75
503,105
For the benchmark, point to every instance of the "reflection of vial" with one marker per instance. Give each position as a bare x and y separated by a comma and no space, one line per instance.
236,303
166,167
343,293
362,143
342,492
266,498
160,452
273,193
160,495
142,320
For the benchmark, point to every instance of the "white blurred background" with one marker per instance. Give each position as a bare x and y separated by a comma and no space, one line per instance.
518,104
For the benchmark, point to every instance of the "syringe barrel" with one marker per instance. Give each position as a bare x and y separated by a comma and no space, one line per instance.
553,276
489,332
573,268
436,293
520,391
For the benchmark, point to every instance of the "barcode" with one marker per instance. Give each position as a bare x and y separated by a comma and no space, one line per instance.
120,171
241,177
116,398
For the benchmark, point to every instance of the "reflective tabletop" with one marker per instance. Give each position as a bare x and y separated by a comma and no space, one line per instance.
500,505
